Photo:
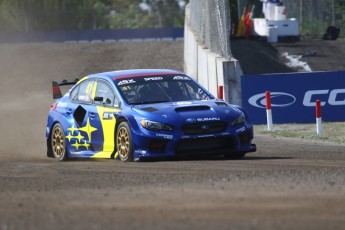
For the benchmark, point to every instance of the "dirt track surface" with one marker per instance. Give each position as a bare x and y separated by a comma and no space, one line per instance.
286,184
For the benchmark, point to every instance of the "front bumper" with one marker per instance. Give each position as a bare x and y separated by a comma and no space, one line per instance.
152,145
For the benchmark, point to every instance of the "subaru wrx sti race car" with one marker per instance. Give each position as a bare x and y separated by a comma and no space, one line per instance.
139,114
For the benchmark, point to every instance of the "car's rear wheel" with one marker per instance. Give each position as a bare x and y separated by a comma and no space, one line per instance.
124,142
58,143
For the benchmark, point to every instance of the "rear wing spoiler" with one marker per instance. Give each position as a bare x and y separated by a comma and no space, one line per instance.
56,87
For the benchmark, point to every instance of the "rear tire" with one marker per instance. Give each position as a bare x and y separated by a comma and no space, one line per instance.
58,143
124,142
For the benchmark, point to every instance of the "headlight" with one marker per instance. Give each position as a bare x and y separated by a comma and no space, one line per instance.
156,126
240,120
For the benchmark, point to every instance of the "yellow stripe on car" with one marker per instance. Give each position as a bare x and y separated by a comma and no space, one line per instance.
108,121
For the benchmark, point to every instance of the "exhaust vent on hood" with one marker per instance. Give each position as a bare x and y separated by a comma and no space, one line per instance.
220,103
149,109
192,108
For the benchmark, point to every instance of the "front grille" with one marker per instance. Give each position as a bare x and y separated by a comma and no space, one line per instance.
205,145
204,128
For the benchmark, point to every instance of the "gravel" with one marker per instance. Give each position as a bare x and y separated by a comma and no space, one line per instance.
286,184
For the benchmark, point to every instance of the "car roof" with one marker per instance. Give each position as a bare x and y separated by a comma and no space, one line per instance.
120,74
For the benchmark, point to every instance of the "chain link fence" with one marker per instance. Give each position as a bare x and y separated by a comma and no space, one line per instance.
316,15
210,20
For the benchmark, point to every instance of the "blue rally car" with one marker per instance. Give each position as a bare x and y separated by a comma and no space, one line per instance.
146,113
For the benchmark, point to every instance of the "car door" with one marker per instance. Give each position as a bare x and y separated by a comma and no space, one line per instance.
105,105
79,134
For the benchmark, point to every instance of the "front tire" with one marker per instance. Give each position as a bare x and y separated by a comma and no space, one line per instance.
58,143
124,142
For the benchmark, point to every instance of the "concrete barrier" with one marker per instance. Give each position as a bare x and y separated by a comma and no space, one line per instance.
203,67
190,54
209,69
212,73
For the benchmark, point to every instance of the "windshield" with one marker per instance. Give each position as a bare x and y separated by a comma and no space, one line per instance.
157,89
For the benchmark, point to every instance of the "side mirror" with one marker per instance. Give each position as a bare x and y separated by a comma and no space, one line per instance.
108,101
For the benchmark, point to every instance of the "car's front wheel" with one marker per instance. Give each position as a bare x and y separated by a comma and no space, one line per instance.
124,142
58,143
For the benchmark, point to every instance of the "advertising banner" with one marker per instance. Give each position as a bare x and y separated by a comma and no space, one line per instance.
293,96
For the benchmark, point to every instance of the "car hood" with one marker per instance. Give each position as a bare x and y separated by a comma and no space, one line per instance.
188,111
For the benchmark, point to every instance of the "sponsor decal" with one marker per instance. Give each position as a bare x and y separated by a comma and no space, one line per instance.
183,103
185,137
62,104
209,135
279,99
181,78
240,130
225,134
166,136
208,119
193,120
153,78
84,98
107,116
142,152
335,97
126,82
190,120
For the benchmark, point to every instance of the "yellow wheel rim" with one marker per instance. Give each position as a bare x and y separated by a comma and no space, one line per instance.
58,142
123,142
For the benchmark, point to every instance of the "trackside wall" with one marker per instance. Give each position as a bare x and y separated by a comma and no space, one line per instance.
210,69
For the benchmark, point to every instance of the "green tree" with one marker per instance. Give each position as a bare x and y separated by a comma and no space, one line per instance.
131,17
31,15
166,13
340,14
43,15
15,14
160,13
